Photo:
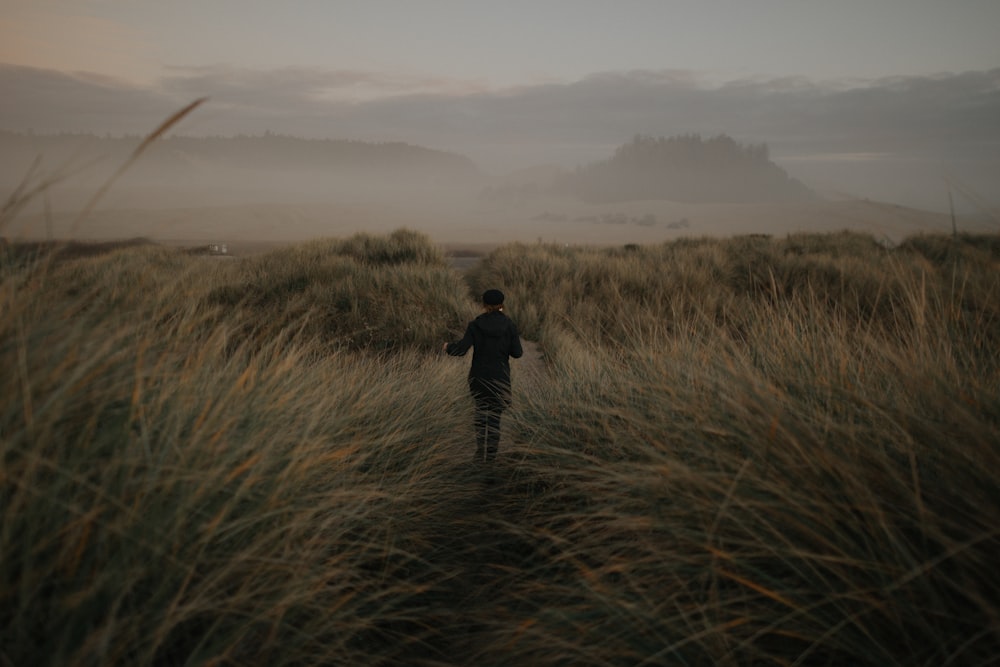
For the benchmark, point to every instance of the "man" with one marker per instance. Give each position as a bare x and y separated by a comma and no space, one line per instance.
495,339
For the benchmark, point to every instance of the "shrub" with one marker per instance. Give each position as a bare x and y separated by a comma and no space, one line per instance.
359,293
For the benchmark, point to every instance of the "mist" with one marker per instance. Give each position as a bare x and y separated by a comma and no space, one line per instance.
482,167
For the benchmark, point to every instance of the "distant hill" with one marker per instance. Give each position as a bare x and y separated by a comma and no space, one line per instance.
685,168
269,152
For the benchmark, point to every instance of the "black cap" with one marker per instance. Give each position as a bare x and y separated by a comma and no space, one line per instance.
493,297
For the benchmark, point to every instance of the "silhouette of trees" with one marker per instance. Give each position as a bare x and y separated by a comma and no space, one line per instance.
686,168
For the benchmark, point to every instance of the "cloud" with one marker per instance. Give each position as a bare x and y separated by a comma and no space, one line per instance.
876,115
51,101
894,114
302,85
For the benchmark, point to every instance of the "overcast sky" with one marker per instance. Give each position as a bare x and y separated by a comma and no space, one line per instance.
517,82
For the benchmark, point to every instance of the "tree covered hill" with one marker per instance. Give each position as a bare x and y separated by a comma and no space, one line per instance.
264,152
686,168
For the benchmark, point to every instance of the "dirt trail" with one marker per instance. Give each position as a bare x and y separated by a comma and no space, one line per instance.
530,368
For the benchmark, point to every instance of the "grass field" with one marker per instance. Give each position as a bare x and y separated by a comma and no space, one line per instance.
740,451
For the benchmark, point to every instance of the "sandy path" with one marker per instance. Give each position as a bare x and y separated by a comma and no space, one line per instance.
530,368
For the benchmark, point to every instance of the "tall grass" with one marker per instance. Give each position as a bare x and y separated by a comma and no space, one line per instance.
741,451
360,292
792,462
170,498
702,510
730,288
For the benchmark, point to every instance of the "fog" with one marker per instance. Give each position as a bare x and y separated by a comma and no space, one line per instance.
270,157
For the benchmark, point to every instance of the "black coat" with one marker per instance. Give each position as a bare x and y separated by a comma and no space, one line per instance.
495,339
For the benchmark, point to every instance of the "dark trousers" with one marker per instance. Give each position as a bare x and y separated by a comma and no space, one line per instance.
487,430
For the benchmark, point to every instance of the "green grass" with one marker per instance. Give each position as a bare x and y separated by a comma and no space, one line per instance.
740,451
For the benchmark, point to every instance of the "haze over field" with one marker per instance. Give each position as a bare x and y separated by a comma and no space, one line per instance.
458,118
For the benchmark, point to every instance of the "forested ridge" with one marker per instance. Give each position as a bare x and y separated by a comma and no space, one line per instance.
686,168
267,150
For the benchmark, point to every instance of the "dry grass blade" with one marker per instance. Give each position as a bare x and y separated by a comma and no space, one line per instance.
163,128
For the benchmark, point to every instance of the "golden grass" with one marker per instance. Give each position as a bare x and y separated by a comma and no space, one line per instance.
743,451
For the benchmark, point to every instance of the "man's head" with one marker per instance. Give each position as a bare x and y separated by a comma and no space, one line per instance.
493,299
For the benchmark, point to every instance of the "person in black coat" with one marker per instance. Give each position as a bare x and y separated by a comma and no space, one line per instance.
495,340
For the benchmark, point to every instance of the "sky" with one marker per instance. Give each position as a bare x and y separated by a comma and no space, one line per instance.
518,82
